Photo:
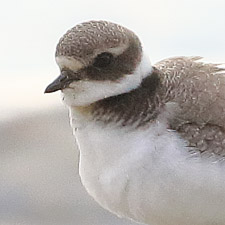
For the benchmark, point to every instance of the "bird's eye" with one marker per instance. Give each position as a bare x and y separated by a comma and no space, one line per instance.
103,60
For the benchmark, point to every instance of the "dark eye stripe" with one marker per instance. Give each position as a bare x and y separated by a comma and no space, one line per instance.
103,60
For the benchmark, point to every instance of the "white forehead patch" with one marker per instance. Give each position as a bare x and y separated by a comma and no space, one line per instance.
118,50
69,63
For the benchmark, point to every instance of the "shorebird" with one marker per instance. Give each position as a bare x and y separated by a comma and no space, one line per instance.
151,137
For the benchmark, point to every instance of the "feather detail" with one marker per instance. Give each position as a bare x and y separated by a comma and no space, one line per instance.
197,90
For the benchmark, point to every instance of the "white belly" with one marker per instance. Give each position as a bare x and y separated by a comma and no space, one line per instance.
149,176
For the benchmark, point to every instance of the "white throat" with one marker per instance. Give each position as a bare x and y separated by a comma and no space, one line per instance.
83,93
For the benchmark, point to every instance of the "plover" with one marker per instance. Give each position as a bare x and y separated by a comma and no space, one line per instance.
151,138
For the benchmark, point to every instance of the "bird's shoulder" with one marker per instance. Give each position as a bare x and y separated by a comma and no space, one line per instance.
195,94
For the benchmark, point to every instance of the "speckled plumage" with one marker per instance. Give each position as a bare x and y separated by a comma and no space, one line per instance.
86,41
90,38
198,90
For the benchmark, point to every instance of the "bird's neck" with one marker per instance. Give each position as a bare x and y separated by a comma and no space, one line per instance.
137,107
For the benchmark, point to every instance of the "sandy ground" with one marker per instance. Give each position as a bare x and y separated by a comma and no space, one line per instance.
39,182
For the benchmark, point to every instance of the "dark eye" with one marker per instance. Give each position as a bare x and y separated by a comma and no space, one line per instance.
103,60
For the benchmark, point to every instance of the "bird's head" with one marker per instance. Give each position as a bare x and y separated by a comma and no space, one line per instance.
97,60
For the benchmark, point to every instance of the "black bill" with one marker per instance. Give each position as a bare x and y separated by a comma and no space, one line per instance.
59,83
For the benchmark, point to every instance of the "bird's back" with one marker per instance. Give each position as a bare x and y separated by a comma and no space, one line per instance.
196,92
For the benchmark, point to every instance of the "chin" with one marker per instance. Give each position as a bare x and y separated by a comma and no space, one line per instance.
71,99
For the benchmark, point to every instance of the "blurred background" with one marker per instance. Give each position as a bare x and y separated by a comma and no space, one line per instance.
39,182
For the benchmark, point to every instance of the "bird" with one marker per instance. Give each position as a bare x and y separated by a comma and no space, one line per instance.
151,137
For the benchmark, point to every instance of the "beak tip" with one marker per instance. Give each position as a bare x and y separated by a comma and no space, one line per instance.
56,85
51,88
47,90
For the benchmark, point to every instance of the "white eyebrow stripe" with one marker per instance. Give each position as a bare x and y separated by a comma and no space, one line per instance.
118,50
68,62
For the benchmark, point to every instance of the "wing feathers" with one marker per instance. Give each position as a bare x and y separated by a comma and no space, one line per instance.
198,91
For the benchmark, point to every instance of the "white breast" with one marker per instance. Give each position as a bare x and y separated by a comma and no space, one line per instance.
148,175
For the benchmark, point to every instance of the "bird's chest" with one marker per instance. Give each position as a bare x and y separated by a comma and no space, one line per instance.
115,164
109,162
146,173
